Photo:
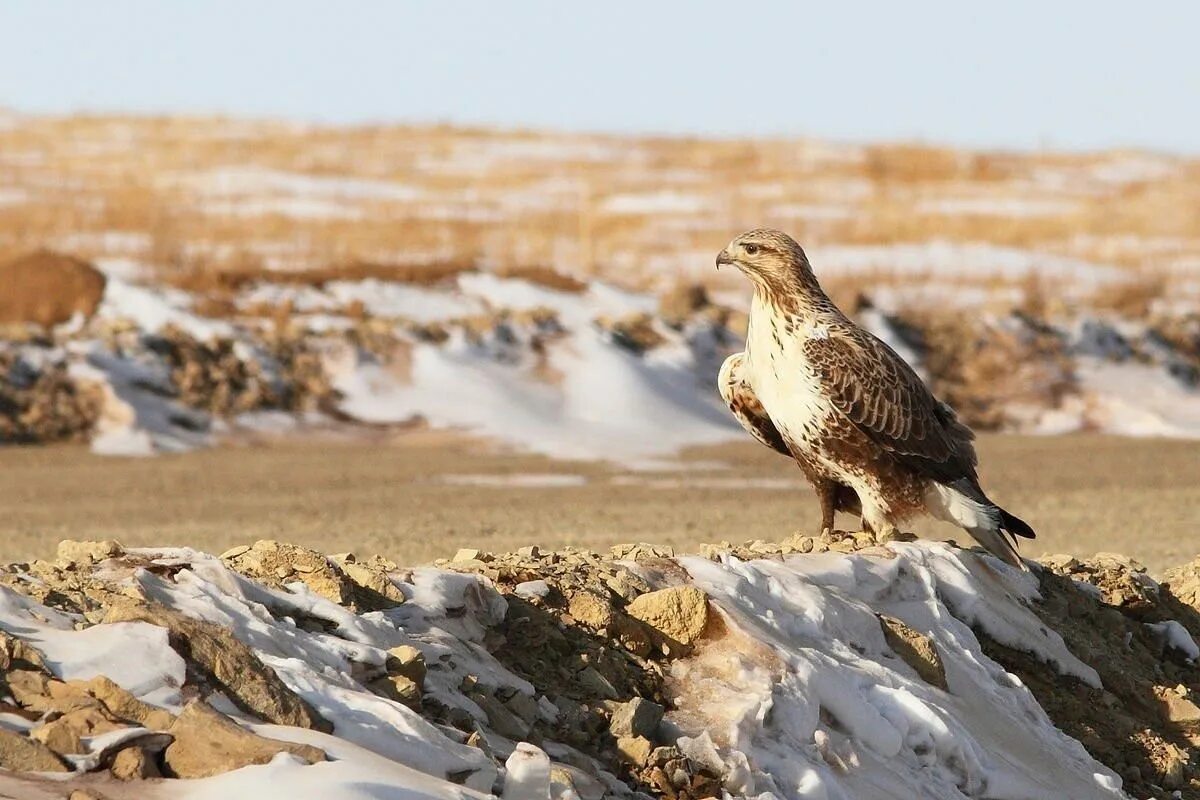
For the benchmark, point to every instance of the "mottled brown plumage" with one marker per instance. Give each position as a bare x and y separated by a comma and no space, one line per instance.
853,414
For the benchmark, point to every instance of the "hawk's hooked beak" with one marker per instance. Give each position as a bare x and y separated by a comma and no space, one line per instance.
723,257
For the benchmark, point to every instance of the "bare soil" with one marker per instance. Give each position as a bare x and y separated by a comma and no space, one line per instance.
418,496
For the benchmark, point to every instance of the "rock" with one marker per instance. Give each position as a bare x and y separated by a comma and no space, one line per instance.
636,332
547,711
134,763
59,737
1175,760
530,590
915,649
371,579
72,552
638,717
125,706
400,688
590,610
208,743
16,653
623,586
408,661
525,707
22,754
30,688
229,664
527,774
864,539
356,585
595,684
63,735
661,755
679,613
530,552
634,749
234,552
636,551
681,301
1184,582
1179,708
468,554
501,720
47,289
69,696
632,635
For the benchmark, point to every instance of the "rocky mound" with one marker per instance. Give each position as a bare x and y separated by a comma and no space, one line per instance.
836,666
47,289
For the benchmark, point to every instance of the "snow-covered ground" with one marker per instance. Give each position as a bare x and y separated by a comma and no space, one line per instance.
796,694
550,371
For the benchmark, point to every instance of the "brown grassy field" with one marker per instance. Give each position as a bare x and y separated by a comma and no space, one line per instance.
393,496
233,199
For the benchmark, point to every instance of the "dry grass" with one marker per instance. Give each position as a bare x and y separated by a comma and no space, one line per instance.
216,201
390,498
207,280
544,276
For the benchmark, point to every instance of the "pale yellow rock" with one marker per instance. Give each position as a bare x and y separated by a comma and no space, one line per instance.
680,613
408,661
234,552
587,609
209,743
134,763
73,552
124,705
635,749
22,754
59,737
915,649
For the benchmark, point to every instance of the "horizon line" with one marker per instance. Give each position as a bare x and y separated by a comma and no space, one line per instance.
317,122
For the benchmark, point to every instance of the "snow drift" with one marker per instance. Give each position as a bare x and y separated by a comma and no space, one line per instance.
594,373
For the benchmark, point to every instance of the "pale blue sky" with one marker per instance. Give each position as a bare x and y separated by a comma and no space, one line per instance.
1013,74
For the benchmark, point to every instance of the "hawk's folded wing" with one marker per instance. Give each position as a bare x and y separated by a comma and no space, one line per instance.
745,405
880,393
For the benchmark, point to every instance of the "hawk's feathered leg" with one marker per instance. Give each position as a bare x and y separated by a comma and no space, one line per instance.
834,497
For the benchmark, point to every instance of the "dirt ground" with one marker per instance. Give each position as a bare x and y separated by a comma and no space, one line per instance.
418,496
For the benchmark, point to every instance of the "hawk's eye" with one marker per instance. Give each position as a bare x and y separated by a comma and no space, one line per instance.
751,249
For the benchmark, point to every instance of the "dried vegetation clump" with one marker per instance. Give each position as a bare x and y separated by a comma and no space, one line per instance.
986,368
42,402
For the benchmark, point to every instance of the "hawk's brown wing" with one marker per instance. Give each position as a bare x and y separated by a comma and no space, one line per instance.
873,386
745,405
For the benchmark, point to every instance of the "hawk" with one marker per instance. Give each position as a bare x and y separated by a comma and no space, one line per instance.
865,430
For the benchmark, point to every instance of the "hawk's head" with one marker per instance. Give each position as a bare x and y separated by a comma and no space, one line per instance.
770,258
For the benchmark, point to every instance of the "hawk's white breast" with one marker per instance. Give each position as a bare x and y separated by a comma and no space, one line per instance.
782,377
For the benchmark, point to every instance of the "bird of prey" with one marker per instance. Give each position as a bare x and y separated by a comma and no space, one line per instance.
862,426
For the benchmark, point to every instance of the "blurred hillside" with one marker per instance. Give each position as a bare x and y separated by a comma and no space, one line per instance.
172,280
205,195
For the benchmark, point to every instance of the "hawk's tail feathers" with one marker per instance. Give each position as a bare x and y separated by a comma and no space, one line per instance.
1015,525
